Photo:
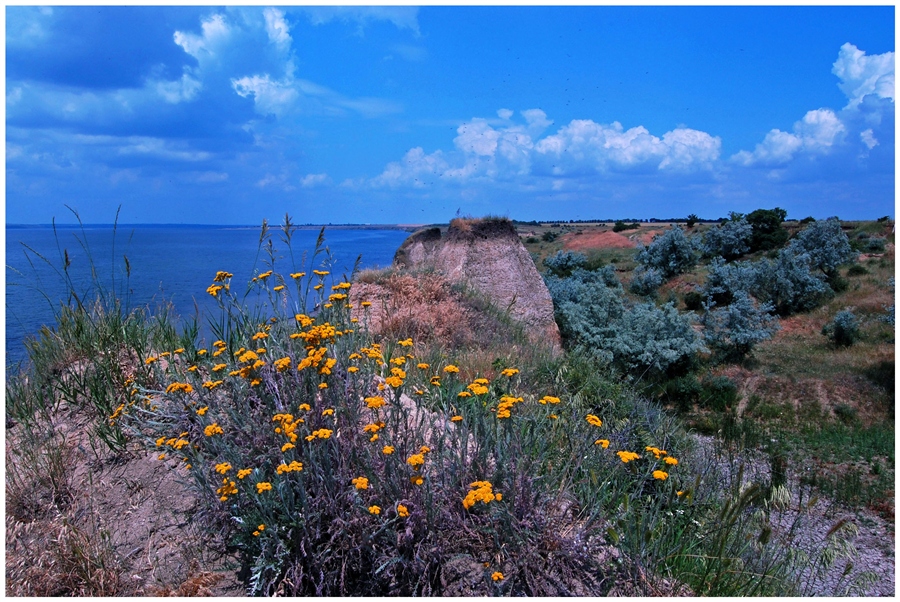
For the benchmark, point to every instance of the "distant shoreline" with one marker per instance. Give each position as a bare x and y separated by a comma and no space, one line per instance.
406,227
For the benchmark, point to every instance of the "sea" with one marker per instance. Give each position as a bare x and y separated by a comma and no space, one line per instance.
153,266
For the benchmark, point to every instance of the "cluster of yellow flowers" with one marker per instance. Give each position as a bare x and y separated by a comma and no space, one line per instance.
228,488
183,387
481,491
294,466
506,403
320,434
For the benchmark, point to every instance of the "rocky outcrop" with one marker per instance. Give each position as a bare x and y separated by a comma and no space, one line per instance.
487,255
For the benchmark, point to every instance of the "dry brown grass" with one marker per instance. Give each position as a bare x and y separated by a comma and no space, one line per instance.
53,557
421,306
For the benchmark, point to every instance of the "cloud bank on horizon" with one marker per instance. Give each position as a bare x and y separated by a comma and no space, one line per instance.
204,115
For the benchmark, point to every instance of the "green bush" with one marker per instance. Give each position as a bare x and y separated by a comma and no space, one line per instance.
621,226
693,301
719,394
768,232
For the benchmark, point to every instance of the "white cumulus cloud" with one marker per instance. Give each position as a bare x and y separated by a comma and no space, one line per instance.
582,147
817,132
586,146
861,74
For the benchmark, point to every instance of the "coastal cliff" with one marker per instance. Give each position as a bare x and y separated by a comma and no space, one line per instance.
487,256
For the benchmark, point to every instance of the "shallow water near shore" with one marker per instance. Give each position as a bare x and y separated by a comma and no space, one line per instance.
167,264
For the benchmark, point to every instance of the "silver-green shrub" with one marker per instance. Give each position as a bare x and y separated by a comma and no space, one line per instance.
562,263
645,281
843,330
732,331
671,253
729,240
826,245
640,340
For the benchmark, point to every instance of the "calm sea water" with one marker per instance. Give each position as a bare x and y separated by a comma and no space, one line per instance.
167,263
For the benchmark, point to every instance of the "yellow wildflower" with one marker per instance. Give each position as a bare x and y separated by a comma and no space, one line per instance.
671,461
416,461
405,343
456,418
548,399
374,402
627,456
497,576
602,442
482,491
662,476
450,369
510,372
219,367
223,467
387,450
244,472
374,510
213,429
264,486
174,387
297,275
360,482
402,511
202,410
594,420
416,480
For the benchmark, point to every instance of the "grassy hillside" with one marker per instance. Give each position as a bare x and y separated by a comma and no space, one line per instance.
301,453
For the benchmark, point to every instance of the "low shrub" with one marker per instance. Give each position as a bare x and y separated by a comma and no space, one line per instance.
646,281
671,253
843,330
719,393
562,263
729,240
732,331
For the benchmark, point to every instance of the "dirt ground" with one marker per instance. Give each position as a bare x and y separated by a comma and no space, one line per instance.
120,525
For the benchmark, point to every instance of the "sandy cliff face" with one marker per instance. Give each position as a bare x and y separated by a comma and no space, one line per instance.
488,256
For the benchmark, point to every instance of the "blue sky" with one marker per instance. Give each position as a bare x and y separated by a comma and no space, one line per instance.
228,115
